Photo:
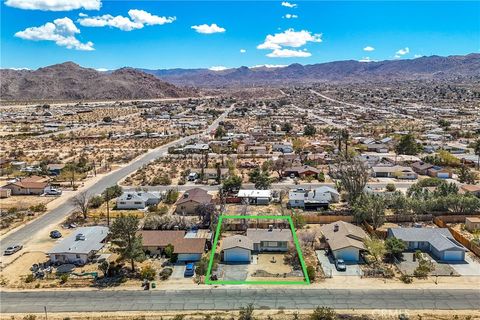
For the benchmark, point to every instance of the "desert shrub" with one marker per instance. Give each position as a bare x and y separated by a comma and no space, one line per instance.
38,208
64,278
323,313
30,278
96,202
166,273
312,274
390,187
246,313
202,266
148,272
406,278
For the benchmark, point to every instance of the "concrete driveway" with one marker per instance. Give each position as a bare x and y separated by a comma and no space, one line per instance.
232,272
328,265
470,267
178,271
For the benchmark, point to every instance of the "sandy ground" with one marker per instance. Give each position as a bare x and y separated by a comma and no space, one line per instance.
259,315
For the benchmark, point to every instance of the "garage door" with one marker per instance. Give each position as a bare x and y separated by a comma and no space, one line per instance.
443,175
237,255
347,254
453,255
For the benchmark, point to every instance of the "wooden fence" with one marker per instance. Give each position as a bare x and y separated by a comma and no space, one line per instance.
470,245
324,219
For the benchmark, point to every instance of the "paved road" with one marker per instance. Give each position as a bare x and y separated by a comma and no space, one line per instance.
234,298
24,234
274,186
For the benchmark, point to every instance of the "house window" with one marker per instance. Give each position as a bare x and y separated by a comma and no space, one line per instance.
137,202
77,256
272,244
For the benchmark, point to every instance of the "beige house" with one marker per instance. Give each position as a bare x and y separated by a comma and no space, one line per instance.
472,223
190,201
344,239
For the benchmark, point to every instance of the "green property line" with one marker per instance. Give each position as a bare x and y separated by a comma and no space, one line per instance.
295,240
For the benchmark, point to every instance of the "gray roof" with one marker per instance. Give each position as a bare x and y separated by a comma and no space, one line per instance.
138,195
439,238
237,241
91,241
258,235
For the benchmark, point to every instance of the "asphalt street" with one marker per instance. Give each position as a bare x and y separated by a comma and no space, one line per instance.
24,234
233,298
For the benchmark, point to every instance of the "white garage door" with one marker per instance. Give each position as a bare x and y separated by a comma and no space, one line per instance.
453,255
443,175
236,255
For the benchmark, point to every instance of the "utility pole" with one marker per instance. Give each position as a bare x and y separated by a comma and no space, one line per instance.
108,207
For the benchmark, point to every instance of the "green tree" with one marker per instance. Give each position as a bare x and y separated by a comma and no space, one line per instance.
465,175
170,253
171,196
254,174
309,130
408,145
287,127
104,266
394,247
263,181
220,132
232,183
352,175
371,208
112,192
376,248
476,150
124,236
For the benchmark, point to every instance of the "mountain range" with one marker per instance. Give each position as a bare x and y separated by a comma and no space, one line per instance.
69,81
432,67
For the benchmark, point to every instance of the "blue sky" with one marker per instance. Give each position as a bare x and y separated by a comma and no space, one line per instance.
162,34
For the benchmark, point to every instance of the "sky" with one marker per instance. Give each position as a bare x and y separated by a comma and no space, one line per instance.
221,34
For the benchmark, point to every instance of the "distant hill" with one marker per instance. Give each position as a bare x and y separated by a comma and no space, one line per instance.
433,67
69,81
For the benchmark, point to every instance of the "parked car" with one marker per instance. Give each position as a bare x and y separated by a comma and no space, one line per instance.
340,265
55,234
11,250
189,270
53,192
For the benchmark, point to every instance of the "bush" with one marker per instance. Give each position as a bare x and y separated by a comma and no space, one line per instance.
202,266
30,278
166,273
64,278
321,177
148,273
312,273
390,187
39,208
96,202
323,313
406,278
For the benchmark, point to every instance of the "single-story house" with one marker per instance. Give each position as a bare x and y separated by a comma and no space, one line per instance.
26,188
312,199
187,248
80,246
344,239
138,200
191,199
439,172
302,171
472,223
255,196
270,239
212,173
282,147
471,188
421,167
55,169
437,241
237,249
377,147
399,172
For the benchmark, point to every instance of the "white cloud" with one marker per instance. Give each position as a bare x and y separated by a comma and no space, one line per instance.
61,31
18,69
368,48
269,66
288,4
290,16
208,29
289,38
102,69
418,56
401,52
55,5
217,68
138,19
243,50
287,53
366,59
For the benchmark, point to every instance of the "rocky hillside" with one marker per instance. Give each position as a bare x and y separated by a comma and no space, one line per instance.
69,81
432,68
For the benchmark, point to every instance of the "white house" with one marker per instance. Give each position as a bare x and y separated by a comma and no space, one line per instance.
137,200
312,199
80,246
256,196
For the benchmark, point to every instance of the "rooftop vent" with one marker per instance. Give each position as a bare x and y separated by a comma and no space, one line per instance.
335,228
80,237
185,195
270,227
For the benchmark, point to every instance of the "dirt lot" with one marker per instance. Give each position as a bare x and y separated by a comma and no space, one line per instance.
24,202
